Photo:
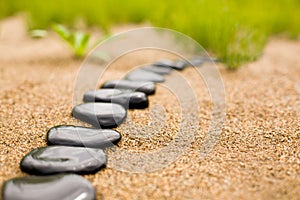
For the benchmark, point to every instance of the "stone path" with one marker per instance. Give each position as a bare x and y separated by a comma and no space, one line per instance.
78,150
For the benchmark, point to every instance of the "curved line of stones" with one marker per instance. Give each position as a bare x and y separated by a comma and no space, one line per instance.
168,63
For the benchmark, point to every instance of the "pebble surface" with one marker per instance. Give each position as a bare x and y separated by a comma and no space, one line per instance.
158,69
143,75
196,62
53,187
100,115
128,99
177,65
60,159
138,86
82,136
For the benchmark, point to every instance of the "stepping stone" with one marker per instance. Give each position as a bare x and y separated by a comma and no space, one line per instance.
100,115
138,86
179,65
82,137
60,159
143,75
206,59
164,63
196,62
62,186
157,69
128,99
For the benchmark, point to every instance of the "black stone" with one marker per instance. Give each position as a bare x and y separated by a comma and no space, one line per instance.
60,159
143,75
61,186
82,136
128,99
138,86
104,115
158,69
205,59
178,65
164,63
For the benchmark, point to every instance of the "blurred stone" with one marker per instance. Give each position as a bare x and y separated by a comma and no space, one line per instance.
143,75
138,86
158,70
82,136
178,65
128,99
62,186
60,159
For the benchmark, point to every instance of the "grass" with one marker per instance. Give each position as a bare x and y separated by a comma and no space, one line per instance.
234,30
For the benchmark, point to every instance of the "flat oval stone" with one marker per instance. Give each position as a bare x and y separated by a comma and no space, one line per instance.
196,62
61,186
171,64
60,159
158,69
82,137
143,75
200,60
128,99
180,64
138,86
100,115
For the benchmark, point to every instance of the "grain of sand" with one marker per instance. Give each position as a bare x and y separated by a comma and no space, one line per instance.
257,157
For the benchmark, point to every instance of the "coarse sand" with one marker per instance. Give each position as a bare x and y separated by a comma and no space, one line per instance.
257,156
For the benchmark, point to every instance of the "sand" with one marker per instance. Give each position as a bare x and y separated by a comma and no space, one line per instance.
257,156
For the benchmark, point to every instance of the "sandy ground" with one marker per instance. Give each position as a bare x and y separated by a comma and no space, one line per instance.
257,157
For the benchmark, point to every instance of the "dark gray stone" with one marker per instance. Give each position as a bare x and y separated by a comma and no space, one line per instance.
100,115
82,136
158,69
164,63
138,86
177,65
196,62
143,75
128,99
60,159
62,186
180,64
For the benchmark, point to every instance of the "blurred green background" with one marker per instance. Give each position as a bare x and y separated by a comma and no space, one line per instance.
234,30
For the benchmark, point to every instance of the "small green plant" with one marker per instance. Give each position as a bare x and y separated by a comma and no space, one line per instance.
78,41
38,33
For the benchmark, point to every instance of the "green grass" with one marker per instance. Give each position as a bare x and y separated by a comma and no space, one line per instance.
234,30
78,41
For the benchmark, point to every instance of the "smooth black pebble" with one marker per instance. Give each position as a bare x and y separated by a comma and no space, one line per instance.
143,75
62,186
60,159
100,115
128,99
82,137
158,70
178,65
146,87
